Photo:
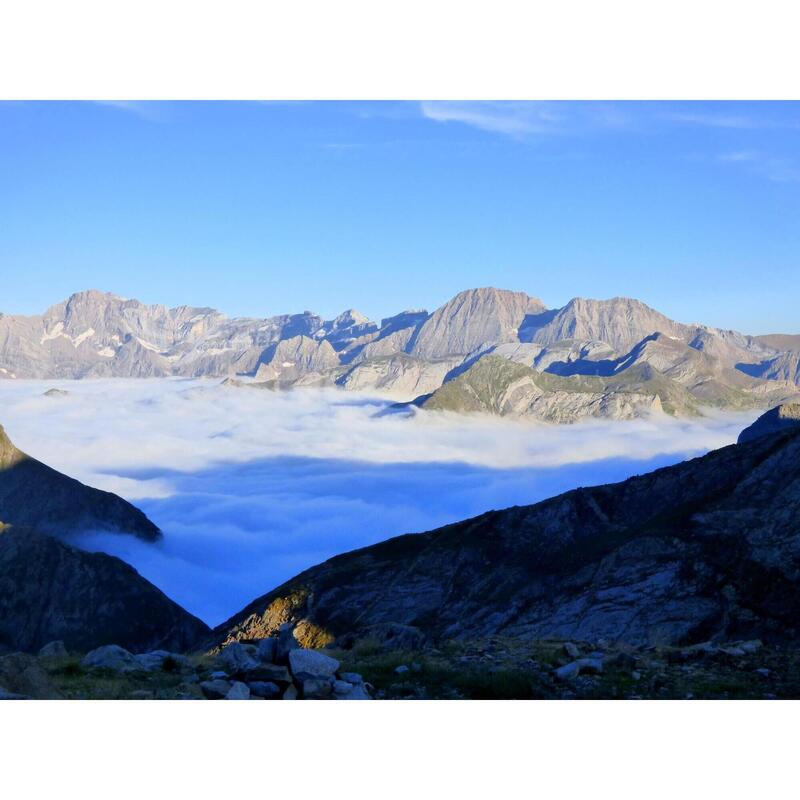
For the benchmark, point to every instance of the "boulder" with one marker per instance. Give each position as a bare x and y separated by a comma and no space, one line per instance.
265,689
21,674
274,673
236,658
590,666
239,691
317,689
111,657
53,650
568,672
308,664
290,693
215,690
162,660
266,650
401,669
285,643
351,677
357,692
571,650
218,675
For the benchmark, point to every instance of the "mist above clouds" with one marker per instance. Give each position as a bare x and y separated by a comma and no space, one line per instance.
250,487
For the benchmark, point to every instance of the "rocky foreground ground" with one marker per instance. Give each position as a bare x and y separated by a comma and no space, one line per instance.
495,668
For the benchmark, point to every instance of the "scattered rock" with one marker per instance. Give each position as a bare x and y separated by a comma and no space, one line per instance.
752,646
273,673
215,690
265,689
401,669
21,674
266,650
236,658
141,694
53,650
218,675
590,666
161,659
636,675
358,692
764,672
111,657
342,687
568,672
351,677
317,689
239,691
290,693
571,650
309,664
285,643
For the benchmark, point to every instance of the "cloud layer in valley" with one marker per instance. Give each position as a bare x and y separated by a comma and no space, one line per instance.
250,486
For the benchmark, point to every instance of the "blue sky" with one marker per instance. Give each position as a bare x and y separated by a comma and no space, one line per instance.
266,208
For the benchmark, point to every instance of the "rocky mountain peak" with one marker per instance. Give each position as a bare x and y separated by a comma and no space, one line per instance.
784,417
475,318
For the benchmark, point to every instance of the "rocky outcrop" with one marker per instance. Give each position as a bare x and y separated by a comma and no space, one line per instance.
494,385
278,668
296,357
401,376
37,496
706,549
51,591
780,419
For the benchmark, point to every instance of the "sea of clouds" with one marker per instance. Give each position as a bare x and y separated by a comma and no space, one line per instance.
251,486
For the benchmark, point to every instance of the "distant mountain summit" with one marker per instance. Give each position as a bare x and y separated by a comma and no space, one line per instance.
36,496
408,355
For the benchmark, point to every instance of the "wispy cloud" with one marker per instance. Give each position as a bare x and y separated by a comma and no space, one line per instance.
710,120
778,170
528,118
144,109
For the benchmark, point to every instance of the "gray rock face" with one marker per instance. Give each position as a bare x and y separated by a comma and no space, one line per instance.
706,549
473,320
780,419
35,495
296,357
49,591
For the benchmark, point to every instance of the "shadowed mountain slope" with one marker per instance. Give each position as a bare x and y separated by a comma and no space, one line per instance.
37,496
51,591
707,548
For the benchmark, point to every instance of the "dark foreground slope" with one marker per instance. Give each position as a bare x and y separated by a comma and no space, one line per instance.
709,548
51,591
37,496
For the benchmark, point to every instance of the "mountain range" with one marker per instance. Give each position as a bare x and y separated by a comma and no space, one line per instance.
639,361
